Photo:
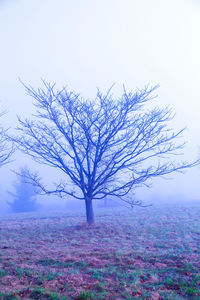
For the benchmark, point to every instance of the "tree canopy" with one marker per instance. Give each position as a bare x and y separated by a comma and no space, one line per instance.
106,146
6,150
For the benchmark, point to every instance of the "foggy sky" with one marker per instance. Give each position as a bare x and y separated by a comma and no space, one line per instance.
89,44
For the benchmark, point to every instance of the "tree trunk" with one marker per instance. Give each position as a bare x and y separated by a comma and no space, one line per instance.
89,210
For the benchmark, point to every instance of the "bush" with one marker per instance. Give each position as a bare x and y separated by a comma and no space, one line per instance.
24,197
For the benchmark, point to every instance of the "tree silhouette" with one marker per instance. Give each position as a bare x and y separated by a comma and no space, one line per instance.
105,146
24,196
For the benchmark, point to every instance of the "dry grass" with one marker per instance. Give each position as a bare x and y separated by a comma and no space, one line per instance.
150,253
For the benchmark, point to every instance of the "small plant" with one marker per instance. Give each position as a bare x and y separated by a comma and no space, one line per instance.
2,273
29,272
191,291
97,274
169,281
84,295
100,287
188,267
47,276
19,272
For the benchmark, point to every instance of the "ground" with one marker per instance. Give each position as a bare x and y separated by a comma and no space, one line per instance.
144,253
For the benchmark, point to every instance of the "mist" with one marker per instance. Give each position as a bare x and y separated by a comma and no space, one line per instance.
91,45
117,216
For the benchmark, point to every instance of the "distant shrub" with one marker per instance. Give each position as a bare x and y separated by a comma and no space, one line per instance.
24,196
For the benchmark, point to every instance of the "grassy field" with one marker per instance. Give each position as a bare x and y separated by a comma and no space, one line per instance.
147,253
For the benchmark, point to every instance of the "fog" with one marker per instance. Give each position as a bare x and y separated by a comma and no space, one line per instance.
89,44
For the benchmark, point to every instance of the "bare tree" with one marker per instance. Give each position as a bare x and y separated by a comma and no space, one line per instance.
105,146
5,150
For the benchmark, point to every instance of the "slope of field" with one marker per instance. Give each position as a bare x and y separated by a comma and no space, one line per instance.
147,253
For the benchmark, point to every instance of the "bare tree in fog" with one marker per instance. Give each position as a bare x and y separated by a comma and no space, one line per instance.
105,146
5,150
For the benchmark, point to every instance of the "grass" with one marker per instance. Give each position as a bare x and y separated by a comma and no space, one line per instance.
150,253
